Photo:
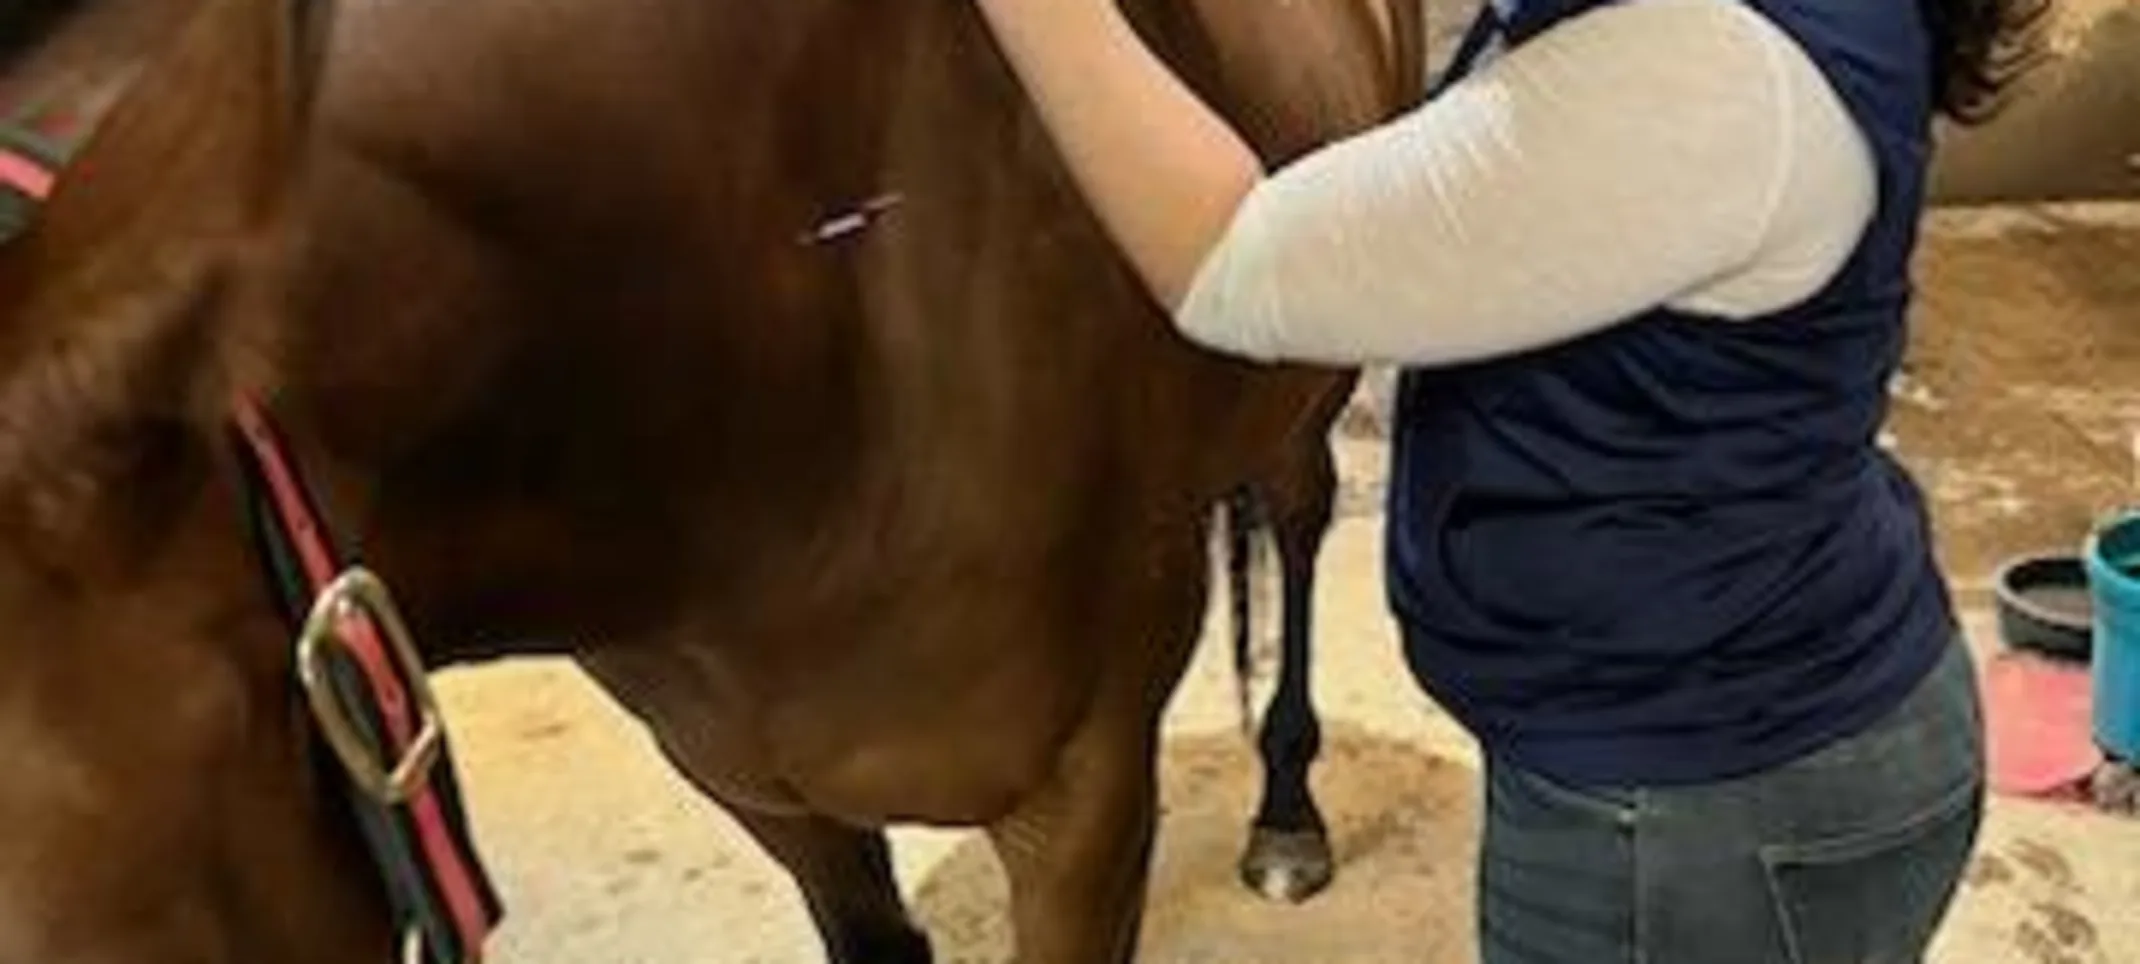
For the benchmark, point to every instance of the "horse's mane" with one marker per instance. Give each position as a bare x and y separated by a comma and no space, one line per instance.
23,23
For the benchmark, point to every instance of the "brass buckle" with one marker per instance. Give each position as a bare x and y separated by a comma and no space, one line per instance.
358,592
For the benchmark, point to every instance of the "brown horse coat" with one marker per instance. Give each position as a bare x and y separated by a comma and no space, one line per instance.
896,523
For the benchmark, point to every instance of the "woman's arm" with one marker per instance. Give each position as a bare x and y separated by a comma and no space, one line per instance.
1645,154
1164,173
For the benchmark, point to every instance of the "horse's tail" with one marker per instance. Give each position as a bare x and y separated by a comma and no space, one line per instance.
1244,520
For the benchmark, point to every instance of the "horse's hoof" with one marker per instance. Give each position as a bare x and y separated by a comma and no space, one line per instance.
2116,788
1287,865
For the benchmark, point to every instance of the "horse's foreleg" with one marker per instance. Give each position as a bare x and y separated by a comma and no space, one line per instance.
846,878
1288,856
1077,853
1077,848
844,872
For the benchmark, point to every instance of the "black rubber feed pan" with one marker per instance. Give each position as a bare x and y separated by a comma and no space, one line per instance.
2044,606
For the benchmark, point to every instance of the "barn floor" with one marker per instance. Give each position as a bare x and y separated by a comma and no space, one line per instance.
2018,411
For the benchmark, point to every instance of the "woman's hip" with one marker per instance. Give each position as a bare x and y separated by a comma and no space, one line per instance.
1849,854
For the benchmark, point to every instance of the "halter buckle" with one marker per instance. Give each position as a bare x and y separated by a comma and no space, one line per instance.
359,595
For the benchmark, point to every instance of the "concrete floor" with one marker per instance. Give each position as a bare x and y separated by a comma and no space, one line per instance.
2017,413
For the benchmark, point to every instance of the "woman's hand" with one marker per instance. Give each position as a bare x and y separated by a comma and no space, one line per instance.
1163,172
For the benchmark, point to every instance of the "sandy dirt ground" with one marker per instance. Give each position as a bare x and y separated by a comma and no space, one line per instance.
2019,411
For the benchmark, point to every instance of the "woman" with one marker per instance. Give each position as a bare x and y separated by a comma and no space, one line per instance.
1646,270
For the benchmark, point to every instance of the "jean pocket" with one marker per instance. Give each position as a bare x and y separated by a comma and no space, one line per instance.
1875,897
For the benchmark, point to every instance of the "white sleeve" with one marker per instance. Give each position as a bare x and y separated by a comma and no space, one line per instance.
1656,152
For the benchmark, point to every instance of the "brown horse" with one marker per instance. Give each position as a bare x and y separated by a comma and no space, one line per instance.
762,358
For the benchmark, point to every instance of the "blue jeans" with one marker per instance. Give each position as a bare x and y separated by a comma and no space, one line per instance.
1850,855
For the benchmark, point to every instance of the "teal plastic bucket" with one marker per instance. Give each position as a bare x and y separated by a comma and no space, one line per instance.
2113,555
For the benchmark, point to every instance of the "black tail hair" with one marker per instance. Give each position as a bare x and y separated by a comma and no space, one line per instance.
1242,518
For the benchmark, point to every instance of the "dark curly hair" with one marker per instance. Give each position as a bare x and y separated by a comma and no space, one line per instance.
1979,47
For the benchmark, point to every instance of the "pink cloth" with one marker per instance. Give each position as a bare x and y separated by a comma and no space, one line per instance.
2037,718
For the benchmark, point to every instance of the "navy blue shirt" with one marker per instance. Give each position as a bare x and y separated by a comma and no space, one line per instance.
1672,551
